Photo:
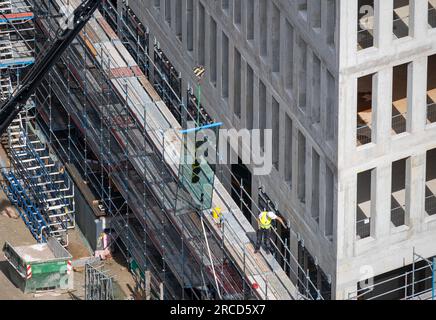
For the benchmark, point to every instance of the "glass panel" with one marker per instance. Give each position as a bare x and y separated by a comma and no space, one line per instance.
197,167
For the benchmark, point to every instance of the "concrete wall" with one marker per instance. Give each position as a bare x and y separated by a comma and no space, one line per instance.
388,247
314,84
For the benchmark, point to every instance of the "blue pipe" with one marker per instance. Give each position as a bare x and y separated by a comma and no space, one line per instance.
209,126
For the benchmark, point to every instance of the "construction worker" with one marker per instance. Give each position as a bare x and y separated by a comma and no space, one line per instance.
264,221
217,215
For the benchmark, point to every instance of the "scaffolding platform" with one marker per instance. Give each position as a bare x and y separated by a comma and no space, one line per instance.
138,144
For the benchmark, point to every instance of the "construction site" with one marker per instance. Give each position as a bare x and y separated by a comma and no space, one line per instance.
104,195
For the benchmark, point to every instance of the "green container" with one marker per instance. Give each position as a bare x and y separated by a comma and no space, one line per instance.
39,267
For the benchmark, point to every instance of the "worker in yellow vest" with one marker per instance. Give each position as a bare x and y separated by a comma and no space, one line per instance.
217,215
264,221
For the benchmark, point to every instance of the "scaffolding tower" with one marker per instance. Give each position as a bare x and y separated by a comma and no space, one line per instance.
115,120
35,181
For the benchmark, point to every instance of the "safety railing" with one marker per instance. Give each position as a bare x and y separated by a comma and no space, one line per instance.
363,228
431,16
430,205
399,123
431,112
290,262
398,215
401,27
365,39
417,282
364,134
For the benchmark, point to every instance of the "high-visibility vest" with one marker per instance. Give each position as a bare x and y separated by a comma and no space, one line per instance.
265,220
216,213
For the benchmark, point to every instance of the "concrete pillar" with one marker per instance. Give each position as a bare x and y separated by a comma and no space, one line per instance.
308,204
415,196
381,179
382,107
383,23
417,95
184,22
418,19
322,195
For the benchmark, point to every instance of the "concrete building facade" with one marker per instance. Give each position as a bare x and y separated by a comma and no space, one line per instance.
347,88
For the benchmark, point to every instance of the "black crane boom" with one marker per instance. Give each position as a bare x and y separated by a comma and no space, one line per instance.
12,107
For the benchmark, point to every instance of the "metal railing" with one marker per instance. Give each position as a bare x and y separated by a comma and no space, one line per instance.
363,228
401,27
364,134
430,205
365,39
431,16
417,283
399,123
398,215
431,112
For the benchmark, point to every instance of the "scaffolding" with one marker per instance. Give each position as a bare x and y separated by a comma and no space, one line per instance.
114,133
167,83
414,282
35,181
98,284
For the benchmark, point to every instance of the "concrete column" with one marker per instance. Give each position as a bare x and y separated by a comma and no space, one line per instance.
346,213
243,71
417,95
324,19
282,142
219,56
309,87
185,25
381,179
415,195
383,23
308,205
382,107
231,79
347,117
418,19
294,162
324,107
322,195
348,11
284,55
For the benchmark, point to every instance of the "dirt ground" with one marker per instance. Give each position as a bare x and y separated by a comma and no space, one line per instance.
13,230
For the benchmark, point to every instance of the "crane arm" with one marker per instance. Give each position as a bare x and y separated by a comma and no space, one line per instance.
12,107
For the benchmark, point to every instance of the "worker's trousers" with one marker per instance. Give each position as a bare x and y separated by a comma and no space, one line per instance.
263,236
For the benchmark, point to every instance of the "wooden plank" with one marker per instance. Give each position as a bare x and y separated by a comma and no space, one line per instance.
366,116
107,29
401,106
432,94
